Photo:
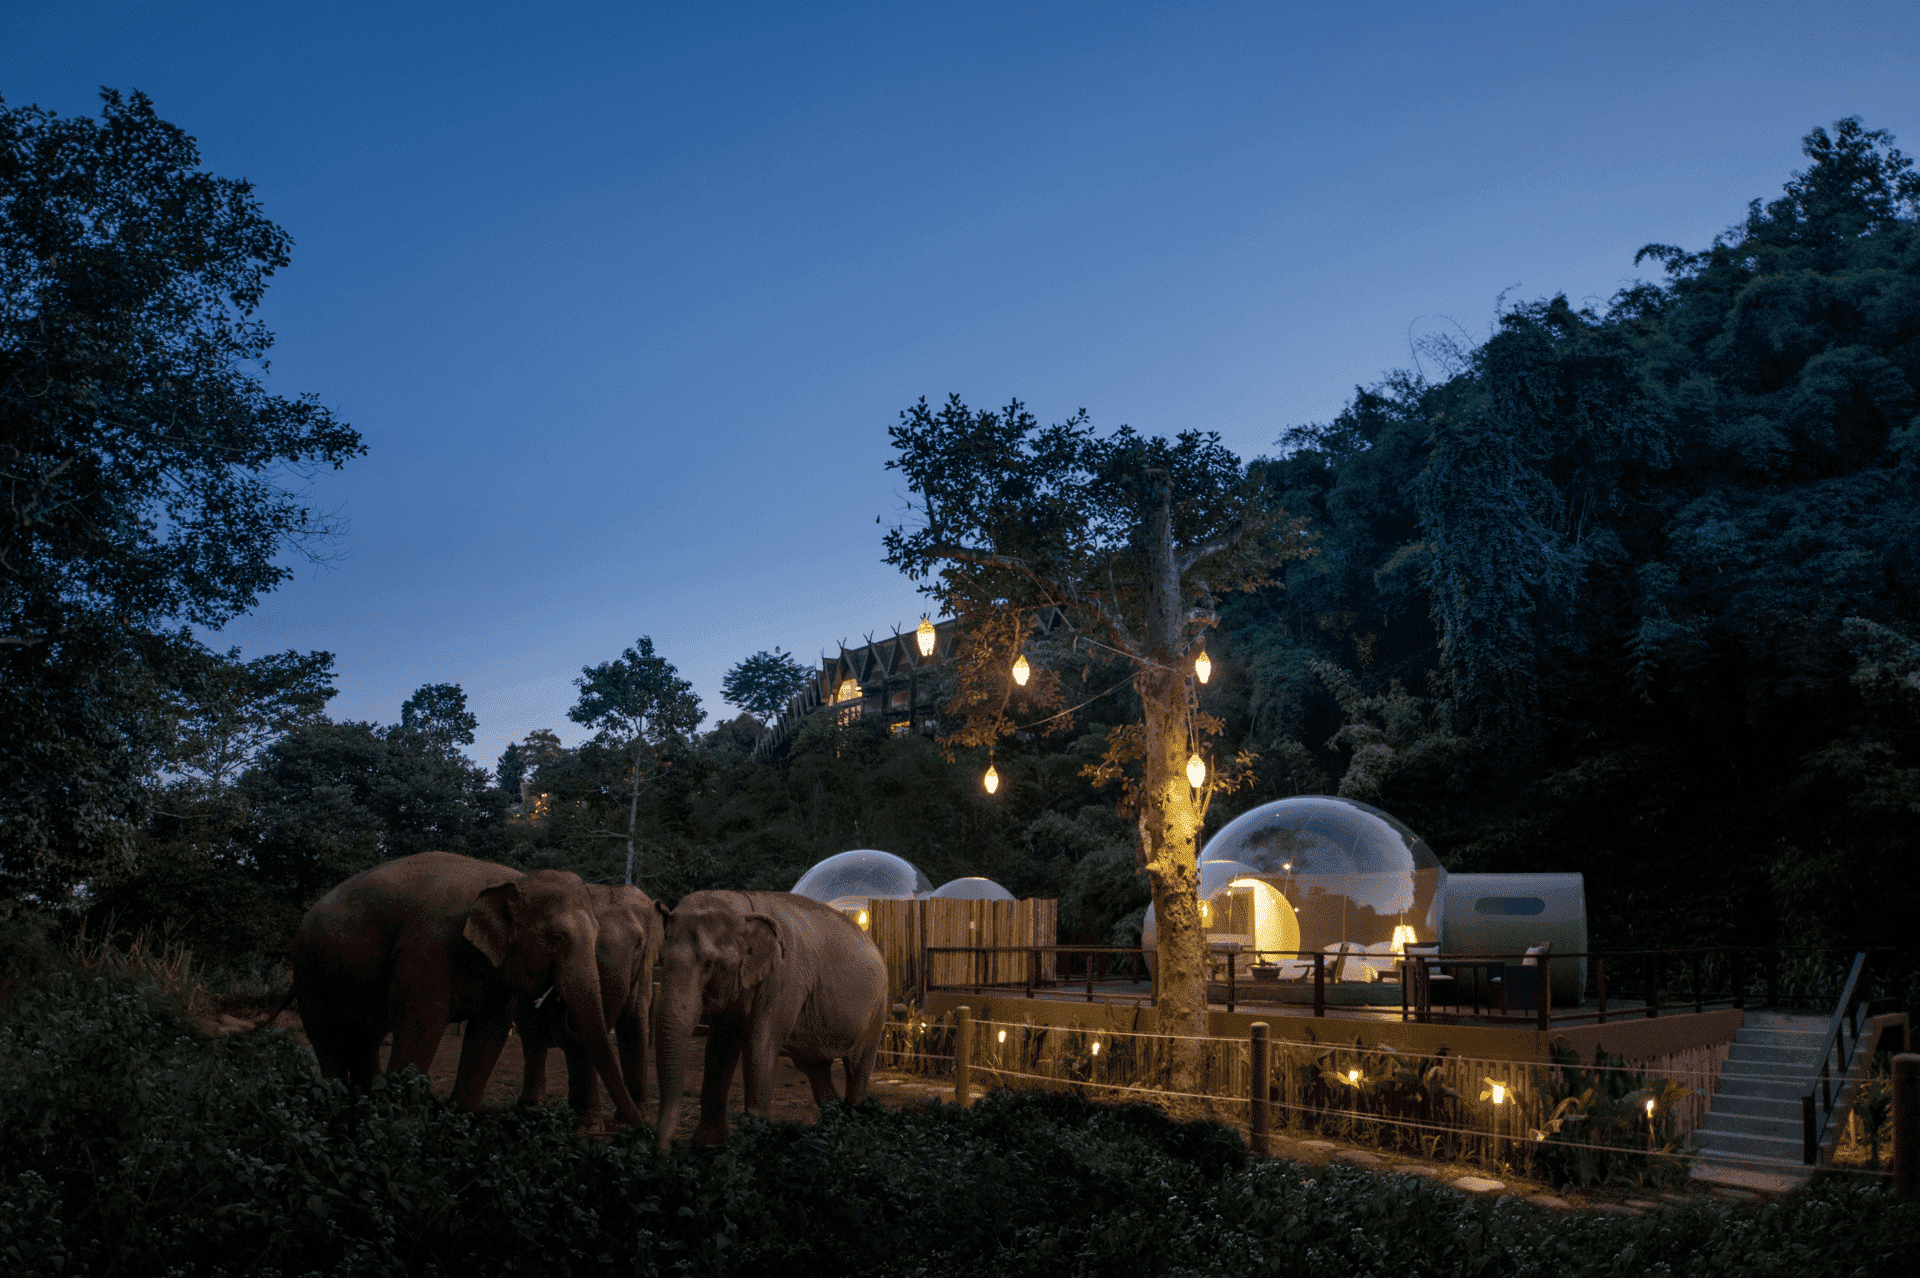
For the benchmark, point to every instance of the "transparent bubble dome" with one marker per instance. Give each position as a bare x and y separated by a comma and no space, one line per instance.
972,888
863,872
1315,872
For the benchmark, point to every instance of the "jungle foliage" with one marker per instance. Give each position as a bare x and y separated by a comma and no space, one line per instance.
131,1143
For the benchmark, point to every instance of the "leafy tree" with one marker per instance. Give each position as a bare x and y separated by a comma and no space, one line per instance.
229,709
142,460
511,772
764,683
436,717
640,704
1134,538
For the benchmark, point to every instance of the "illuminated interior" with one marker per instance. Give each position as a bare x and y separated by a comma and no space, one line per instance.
862,875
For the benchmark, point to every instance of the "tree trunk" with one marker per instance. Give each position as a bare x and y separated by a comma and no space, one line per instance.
1169,815
633,809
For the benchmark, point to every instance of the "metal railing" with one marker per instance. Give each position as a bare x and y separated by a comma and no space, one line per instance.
1813,1121
1509,988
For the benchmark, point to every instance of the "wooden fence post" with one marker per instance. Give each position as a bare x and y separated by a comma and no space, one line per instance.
1258,1081
1906,1122
962,1055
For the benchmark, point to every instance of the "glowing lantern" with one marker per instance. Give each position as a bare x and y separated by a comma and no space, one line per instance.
1003,1036
993,779
1403,937
1649,1109
1021,670
1096,1049
1196,771
863,918
1499,1091
1353,1077
1202,667
923,635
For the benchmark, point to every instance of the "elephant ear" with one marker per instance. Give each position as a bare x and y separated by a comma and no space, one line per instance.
490,921
760,948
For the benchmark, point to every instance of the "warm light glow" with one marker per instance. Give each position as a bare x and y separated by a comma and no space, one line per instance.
848,691
1096,1049
1206,914
1403,937
863,918
1649,1107
1003,1036
1021,670
1196,771
923,635
1499,1093
993,779
1353,1076
1202,667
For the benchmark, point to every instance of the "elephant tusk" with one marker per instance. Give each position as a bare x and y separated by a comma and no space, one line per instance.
544,997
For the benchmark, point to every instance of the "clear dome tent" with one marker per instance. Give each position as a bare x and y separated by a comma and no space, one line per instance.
848,880
971,888
1327,874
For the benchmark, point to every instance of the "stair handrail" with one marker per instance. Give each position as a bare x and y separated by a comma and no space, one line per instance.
1821,1090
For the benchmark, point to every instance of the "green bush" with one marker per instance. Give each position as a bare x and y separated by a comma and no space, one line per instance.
132,1144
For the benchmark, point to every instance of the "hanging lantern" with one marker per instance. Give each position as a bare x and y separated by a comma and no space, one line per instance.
1202,667
923,635
1021,670
1196,771
993,779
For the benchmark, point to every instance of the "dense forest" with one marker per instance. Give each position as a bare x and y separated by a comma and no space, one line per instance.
1631,591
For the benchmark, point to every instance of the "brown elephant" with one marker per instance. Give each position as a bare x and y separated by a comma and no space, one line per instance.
627,948
426,939
771,972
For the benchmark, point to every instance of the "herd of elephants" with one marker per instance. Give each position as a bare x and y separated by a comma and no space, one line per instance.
409,946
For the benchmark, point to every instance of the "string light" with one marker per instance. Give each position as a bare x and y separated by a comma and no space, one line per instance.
923,635
1196,771
1202,667
1021,670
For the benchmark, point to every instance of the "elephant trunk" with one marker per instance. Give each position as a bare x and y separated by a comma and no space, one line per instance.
578,986
679,1013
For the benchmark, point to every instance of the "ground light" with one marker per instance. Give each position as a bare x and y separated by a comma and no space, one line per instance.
923,635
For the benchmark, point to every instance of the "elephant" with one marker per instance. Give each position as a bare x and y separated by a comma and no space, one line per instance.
434,937
771,972
628,946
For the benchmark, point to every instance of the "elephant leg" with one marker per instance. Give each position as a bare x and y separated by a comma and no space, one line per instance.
630,1033
820,1077
535,1047
859,1069
583,1085
480,1048
762,1056
345,1050
723,1053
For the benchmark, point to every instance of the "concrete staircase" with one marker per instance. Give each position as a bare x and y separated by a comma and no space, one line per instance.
1752,1136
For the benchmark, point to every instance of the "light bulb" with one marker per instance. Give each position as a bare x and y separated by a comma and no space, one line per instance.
1196,771
863,918
1003,1036
923,635
1096,1049
1649,1107
1202,667
1021,670
993,779
1499,1093
1353,1076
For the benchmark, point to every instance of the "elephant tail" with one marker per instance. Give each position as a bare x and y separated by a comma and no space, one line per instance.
286,1001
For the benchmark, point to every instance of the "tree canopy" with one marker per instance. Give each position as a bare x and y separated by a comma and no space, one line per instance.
763,683
146,473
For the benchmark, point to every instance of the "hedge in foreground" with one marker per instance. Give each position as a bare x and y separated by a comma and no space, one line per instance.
130,1144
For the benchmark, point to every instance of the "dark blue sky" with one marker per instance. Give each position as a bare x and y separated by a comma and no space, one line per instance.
624,297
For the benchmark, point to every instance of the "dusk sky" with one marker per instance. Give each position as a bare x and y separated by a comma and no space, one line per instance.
623,298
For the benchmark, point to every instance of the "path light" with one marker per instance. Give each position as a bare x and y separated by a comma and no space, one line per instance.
1499,1092
992,779
1353,1076
1096,1048
1202,667
1196,771
1649,1109
1003,1036
1021,670
923,635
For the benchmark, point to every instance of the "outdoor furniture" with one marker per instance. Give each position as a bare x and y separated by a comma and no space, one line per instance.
1519,986
1425,979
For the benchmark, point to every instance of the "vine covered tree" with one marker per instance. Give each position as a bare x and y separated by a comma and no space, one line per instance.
1134,539
640,704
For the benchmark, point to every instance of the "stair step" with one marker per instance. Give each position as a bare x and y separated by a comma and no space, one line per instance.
1712,1140
1808,1039
1759,1089
1774,1053
1779,1126
1756,1107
